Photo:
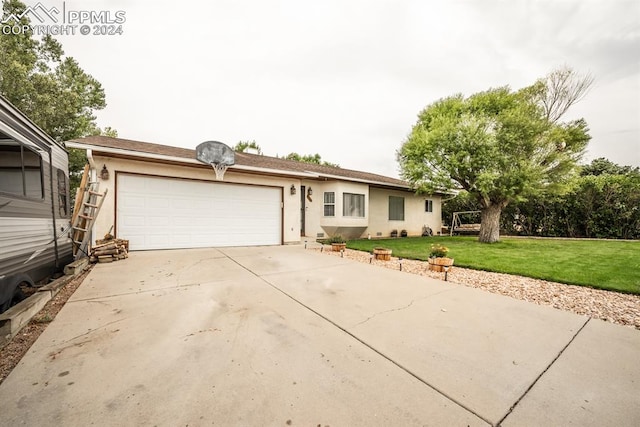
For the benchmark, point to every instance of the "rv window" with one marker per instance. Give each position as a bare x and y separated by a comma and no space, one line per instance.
20,170
62,193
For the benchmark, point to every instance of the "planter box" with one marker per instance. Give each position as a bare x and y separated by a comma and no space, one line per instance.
439,264
337,247
382,254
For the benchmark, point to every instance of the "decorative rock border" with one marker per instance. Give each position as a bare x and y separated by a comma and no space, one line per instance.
614,307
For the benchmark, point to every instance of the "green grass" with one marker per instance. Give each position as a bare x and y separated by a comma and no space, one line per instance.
603,264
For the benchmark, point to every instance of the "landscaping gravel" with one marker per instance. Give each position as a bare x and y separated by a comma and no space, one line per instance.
615,307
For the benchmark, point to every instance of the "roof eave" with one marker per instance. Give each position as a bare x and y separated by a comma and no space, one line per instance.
267,171
152,156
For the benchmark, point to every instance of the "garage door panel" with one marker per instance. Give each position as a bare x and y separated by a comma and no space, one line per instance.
167,213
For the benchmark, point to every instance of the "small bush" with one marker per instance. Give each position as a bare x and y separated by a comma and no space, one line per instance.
438,251
335,239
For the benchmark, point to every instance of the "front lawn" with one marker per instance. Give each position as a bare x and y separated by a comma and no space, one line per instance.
604,264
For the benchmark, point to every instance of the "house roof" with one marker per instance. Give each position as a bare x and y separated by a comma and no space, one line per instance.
244,161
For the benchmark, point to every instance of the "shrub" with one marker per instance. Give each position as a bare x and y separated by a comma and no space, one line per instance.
438,251
335,239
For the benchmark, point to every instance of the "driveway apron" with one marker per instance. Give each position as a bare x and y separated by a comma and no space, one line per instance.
287,336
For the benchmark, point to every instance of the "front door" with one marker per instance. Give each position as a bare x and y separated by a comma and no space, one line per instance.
302,209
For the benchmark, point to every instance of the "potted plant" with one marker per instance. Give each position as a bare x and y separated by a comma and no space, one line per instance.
338,243
382,254
438,260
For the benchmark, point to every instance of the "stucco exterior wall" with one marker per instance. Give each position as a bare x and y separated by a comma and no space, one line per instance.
414,213
106,218
375,221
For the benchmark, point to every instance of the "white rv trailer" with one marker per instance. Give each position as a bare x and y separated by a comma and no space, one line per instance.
34,204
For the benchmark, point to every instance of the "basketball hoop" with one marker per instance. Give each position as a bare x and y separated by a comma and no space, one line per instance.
220,156
220,169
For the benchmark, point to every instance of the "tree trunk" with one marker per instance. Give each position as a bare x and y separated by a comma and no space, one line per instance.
490,223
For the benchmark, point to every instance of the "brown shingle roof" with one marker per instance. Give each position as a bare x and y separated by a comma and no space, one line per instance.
245,159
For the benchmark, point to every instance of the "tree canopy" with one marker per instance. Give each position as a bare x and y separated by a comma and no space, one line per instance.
51,89
242,146
499,145
315,159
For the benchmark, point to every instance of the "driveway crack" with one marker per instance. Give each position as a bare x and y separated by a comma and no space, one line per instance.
398,308
387,311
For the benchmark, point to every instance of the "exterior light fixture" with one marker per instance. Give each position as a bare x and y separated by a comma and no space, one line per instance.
309,192
292,190
104,174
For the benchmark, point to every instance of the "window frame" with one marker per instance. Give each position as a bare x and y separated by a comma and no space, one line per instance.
62,181
392,211
26,192
329,204
428,205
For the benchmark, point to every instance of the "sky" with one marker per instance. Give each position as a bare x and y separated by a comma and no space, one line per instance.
346,79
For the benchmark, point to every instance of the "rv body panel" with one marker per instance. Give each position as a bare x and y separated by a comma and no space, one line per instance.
34,204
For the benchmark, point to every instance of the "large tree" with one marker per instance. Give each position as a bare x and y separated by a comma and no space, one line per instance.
499,145
51,89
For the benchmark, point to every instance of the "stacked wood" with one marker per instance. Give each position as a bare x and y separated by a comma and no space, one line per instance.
109,250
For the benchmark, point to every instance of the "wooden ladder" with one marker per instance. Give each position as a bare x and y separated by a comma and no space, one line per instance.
85,213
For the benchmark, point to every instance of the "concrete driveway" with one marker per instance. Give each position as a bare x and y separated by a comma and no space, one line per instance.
285,336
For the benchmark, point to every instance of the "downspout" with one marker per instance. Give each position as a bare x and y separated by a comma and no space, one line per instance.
92,166
93,177
53,210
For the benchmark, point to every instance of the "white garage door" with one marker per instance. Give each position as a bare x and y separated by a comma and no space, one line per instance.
166,213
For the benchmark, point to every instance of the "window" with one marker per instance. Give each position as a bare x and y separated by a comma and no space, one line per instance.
428,205
62,193
329,203
353,205
396,208
20,170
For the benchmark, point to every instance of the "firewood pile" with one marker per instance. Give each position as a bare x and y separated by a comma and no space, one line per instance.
109,249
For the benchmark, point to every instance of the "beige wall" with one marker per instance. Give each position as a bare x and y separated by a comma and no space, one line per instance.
376,201
376,219
414,213
317,224
106,218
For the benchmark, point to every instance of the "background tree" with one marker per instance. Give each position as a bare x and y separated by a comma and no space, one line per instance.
602,166
603,202
315,159
242,146
51,89
500,146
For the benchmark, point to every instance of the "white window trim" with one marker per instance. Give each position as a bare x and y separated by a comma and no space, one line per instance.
325,204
